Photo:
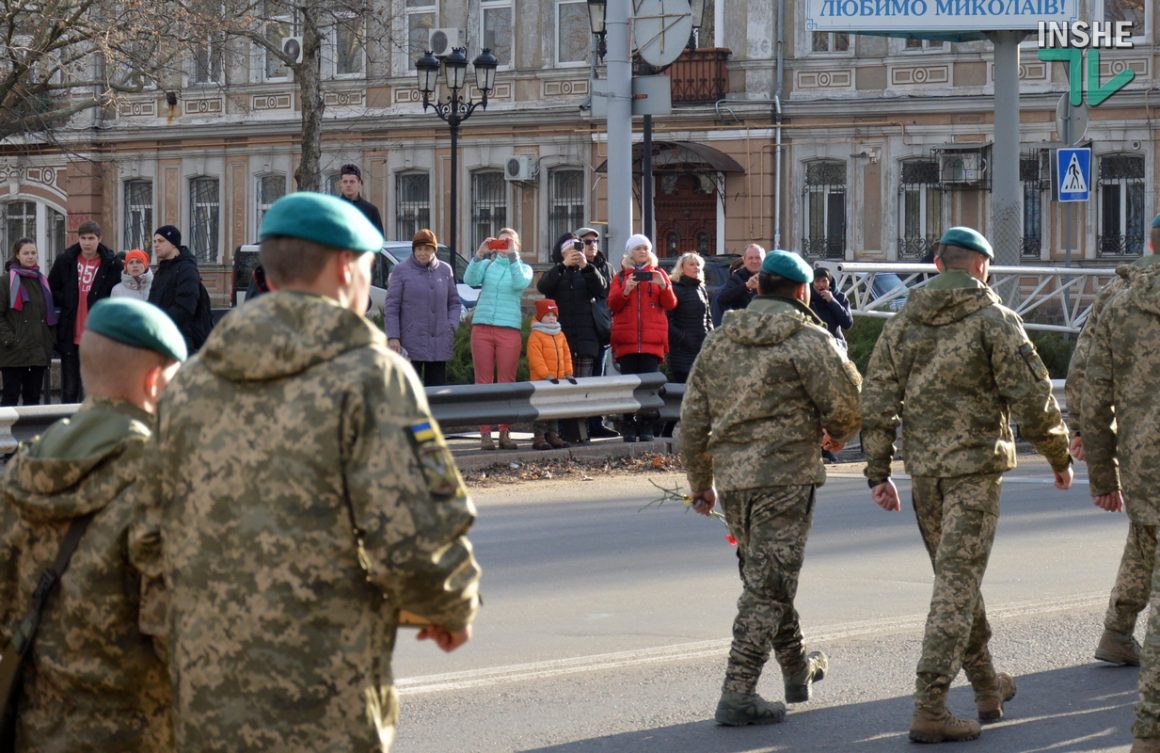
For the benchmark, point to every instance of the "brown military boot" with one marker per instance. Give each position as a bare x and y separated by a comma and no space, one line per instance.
485,442
739,709
799,685
557,441
941,727
990,702
1145,745
1118,648
505,441
539,443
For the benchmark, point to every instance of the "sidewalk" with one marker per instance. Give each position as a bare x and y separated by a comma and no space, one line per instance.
468,456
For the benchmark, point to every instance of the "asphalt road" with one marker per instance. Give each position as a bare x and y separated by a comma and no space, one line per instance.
605,627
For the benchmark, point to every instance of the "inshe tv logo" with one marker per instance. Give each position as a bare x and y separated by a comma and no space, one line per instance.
1071,42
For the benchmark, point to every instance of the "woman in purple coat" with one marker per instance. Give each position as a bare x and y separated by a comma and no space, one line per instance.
422,310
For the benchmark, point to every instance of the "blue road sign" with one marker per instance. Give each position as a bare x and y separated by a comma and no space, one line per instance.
1074,170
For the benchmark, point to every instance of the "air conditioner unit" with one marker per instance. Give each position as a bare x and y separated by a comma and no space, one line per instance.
520,167
292,48
441,41
961,167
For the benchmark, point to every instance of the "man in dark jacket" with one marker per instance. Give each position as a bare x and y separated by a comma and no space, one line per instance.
831,306
350,188
741,287
83,274
590,237
177,287
574,284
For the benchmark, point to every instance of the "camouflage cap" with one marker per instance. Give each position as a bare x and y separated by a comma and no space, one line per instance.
323,219
965,237
137,324
787,264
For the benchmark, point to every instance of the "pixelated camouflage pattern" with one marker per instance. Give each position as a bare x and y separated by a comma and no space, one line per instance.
1076,369
957,518
1119,399
93,681
771,526
764,386
1133,579
294,412
1147,723
953,367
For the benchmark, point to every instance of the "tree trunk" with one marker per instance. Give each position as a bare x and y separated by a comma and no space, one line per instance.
308,176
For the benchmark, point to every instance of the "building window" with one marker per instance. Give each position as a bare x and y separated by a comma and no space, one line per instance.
920,205
830,41
923,44
349,55
137,222
19,222
488,205
573,33
55,237
565,201
1132,11
204,219
277,30
421,16
1120,195
270,188
1029,177
207,61
412,203
496,31
824,200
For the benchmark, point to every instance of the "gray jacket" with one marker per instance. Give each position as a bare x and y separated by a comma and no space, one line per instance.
422,309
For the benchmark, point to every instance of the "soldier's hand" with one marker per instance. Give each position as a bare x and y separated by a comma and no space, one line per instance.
885,495
1063,479
829,444
1113,502
1076,448
704,501
447,640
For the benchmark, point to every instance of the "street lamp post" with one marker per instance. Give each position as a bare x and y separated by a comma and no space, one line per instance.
454,110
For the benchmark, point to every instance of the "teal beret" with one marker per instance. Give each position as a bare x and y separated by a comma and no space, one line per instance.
323,219
137,324
965,237
788,265
1156,221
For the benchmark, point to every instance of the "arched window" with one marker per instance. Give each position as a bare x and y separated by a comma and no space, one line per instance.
412,204
824,205
565,201
920,209
488,205
205,219
1121,205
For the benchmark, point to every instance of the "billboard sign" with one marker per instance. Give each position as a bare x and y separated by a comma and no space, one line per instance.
947,16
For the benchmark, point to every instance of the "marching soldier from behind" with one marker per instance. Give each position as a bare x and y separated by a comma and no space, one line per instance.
767,388
1117,644
94,679
1121,436
954,367
307,497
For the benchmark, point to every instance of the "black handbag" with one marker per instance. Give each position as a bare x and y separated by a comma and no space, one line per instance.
602,318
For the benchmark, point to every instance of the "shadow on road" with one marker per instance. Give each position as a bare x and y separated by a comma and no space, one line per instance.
1096,717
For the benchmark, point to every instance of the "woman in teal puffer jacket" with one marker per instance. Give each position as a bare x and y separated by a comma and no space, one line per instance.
497,318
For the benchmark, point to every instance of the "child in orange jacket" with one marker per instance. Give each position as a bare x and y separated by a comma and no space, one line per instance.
549,357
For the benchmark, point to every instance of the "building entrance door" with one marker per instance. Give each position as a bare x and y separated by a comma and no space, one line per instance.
686,213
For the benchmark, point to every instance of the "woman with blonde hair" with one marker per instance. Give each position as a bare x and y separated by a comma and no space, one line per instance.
692,319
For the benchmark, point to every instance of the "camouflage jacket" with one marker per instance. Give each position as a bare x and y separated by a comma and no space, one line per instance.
94,681
1119,399
293,414
953,367
1076,369
763,387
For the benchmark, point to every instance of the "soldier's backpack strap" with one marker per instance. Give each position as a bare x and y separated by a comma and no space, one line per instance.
24,632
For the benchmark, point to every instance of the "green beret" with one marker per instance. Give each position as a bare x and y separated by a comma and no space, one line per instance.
788,265
323,219
137,324
1156,221
965,237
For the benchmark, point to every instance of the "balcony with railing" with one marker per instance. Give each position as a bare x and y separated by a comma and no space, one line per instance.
698,76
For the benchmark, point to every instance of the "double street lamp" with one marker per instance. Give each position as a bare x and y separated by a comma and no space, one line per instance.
455,109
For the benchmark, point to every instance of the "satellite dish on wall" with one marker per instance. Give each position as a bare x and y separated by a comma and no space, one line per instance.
661,30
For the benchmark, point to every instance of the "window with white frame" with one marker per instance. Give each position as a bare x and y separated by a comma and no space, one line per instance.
412,203
204,219
331,184
207,61
19,222
420,19
496,30
137,217
920,209
565,201
1134,12
349,46
488,205
55,235
573,33
40,222
824,202
913,45
277,30
1120,197
829,41
270,188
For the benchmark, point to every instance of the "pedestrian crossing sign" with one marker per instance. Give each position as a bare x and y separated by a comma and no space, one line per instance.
1073,170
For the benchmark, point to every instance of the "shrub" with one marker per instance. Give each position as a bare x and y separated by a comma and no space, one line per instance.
461,369
1055,349
861,338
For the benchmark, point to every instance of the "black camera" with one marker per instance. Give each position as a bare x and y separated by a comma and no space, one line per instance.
642,275
577,245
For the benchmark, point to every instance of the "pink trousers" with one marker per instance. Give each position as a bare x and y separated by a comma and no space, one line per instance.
495,355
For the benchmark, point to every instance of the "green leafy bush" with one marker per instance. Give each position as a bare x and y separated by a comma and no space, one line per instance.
861,338
461,369
1055,349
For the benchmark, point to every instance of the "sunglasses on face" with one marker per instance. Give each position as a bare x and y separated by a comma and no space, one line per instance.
590,242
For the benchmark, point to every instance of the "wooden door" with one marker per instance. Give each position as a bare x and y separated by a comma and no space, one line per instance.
686,214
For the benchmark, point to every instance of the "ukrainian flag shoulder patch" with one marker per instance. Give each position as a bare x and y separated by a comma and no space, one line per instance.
423,431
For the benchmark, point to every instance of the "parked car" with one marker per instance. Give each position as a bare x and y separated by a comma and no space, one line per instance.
717,271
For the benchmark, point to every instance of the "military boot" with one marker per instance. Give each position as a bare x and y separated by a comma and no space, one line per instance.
738,709
1118,648
505,441
1145,745
556,441
941,727
799,685
538,441
485,442
990,702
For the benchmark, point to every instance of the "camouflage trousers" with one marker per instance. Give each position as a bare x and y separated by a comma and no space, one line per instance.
1147,724
771,526
957,518
1133,579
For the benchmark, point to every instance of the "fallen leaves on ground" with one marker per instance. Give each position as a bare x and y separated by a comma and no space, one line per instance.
577,469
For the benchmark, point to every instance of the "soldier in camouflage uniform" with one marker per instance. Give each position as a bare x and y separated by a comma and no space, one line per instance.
1119,400
768,387
954,366
94,679
295,424
1117,644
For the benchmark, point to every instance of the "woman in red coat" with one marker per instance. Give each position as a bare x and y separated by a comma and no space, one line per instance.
638,297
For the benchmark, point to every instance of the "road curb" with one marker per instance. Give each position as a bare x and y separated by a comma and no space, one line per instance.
469,457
